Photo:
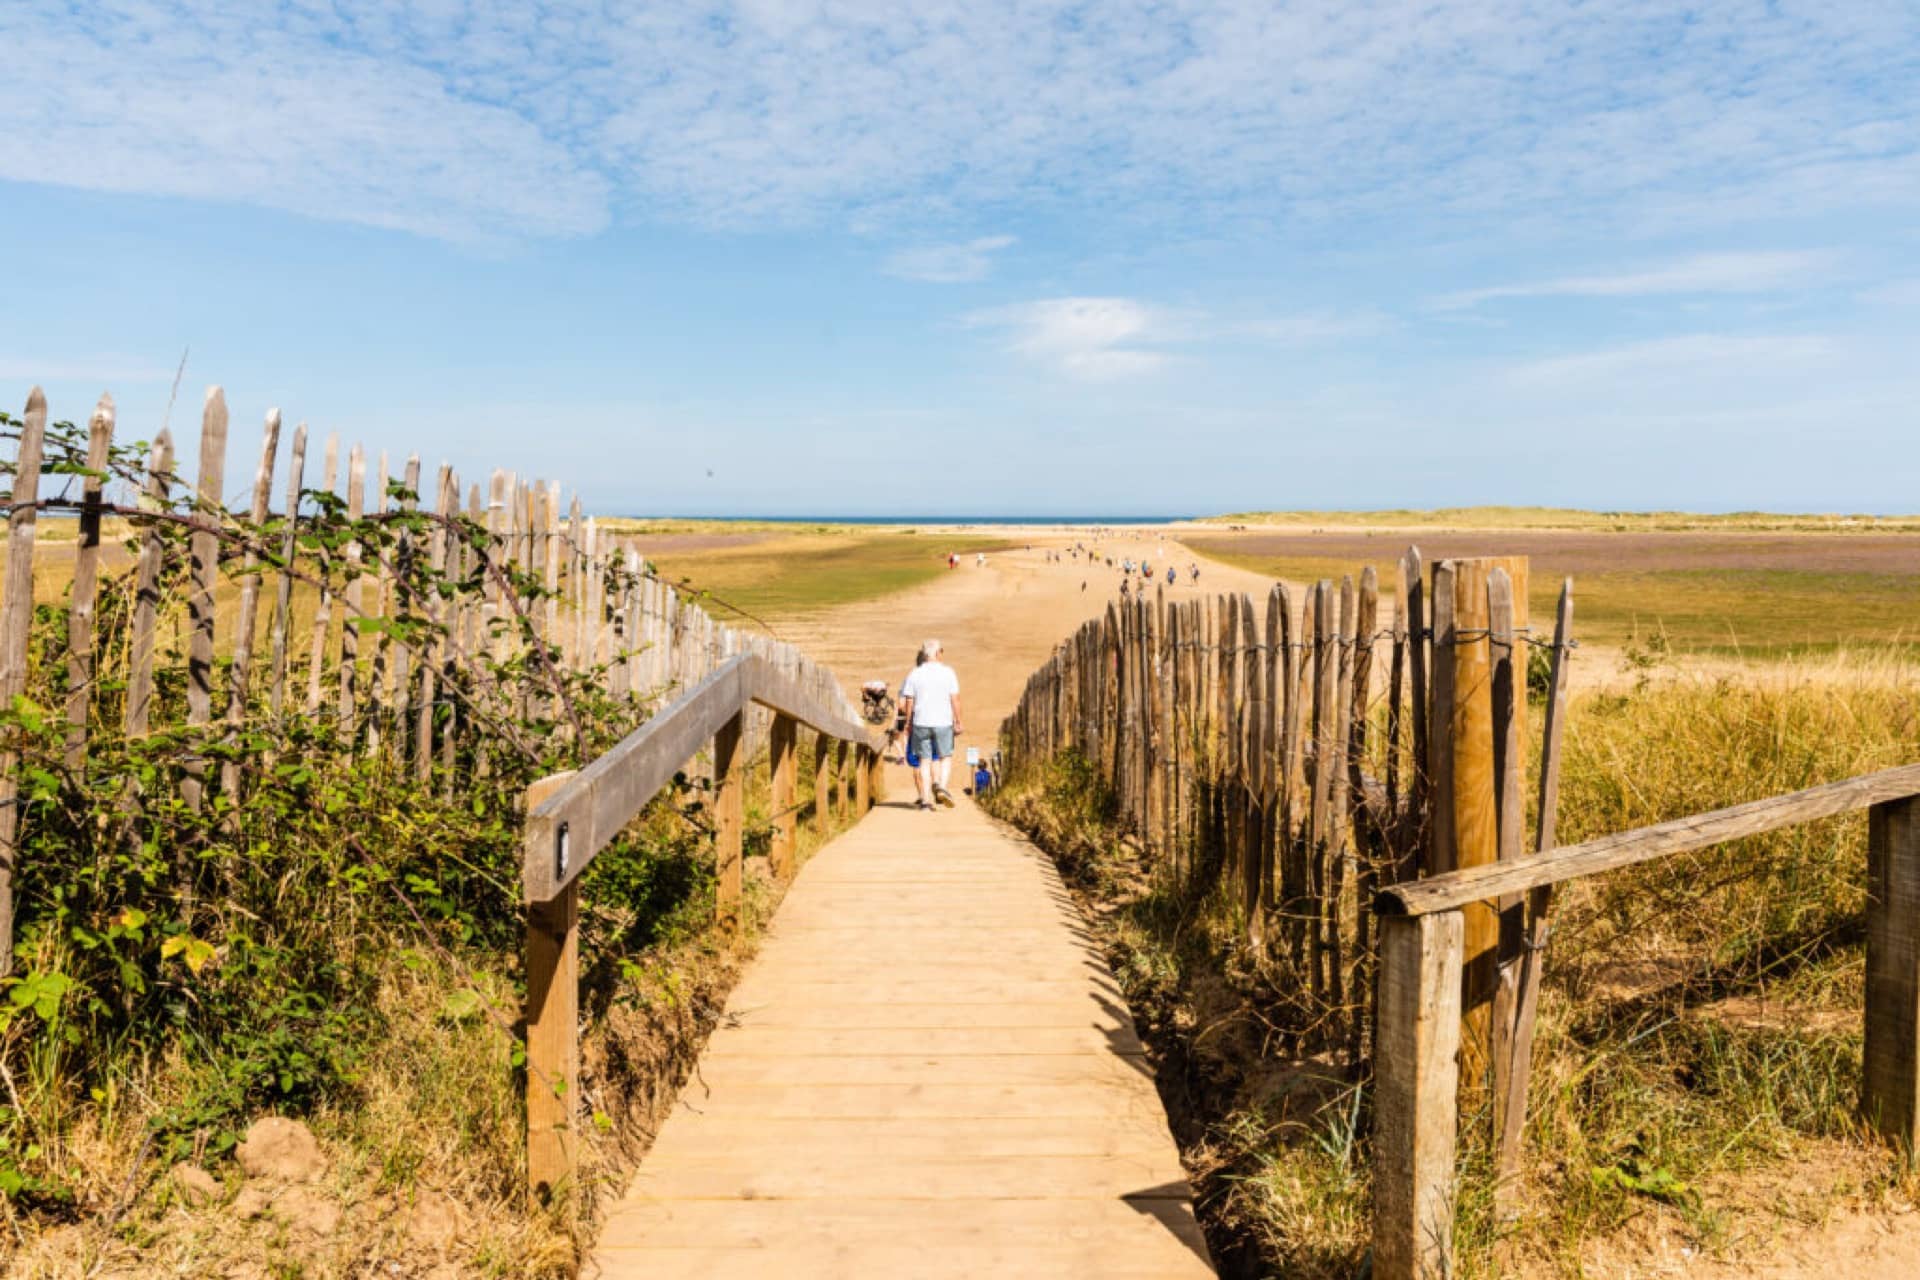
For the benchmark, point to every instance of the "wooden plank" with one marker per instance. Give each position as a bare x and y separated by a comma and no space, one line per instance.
154,497
1510,810
721,1072
283,598
876,1138
240,673
1416,1081
553,1047
203,547
323,615
353,595
16,626
904,1235
1681,835
1509,1139
1890,1082
1420,621
86,583
380,606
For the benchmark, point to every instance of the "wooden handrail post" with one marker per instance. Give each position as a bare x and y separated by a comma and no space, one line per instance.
876,778
1416,1105
728,776
822,782
553,1046
862,782
1890,1085
845,778
784,763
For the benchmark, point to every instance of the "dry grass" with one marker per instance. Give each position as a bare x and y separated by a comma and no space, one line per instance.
1698,1053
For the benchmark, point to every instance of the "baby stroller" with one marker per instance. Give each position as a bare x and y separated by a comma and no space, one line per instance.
876,703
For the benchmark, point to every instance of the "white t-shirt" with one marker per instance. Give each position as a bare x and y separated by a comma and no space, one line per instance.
933,686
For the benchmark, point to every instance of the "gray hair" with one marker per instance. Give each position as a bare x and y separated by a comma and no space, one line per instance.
931,648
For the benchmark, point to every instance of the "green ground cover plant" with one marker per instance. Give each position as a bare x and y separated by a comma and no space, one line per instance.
788,574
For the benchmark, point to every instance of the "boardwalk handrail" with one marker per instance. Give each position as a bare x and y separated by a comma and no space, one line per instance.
572,817
1643,844
591,806
1417,1067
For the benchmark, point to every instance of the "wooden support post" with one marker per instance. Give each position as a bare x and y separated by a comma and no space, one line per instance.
785,767
16,628
862,781
283,596
1416,1081
728,774
1465,812
553,1043
845,776
1890,1088
86,579
822,781
204,555
240,673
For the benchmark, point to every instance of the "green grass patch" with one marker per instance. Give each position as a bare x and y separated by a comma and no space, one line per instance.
787,575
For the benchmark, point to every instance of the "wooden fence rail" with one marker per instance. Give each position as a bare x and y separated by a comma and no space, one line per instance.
571,817
1423,935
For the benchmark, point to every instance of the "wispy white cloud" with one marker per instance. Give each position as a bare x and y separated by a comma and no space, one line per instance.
1306,328
963,263
1695,359
1894,293
1705,273
1096,339
478,118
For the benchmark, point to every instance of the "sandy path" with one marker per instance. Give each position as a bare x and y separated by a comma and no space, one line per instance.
997,623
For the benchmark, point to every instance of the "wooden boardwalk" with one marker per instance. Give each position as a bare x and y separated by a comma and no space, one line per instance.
926,1072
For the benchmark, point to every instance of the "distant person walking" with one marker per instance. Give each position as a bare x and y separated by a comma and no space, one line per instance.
932,697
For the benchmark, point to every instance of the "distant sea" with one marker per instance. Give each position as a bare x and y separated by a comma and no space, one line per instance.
959,519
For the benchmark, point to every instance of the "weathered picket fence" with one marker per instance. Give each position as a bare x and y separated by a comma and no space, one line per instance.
409,624
1305,757
1376,848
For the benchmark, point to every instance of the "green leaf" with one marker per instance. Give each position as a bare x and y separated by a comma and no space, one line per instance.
461,1005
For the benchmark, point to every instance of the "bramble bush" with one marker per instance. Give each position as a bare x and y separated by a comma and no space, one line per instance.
237,945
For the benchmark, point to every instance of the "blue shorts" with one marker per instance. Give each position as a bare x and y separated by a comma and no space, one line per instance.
932,741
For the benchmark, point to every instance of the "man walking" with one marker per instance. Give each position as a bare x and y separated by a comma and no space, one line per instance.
932,708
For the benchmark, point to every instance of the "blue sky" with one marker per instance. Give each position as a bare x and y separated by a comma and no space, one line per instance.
995,258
